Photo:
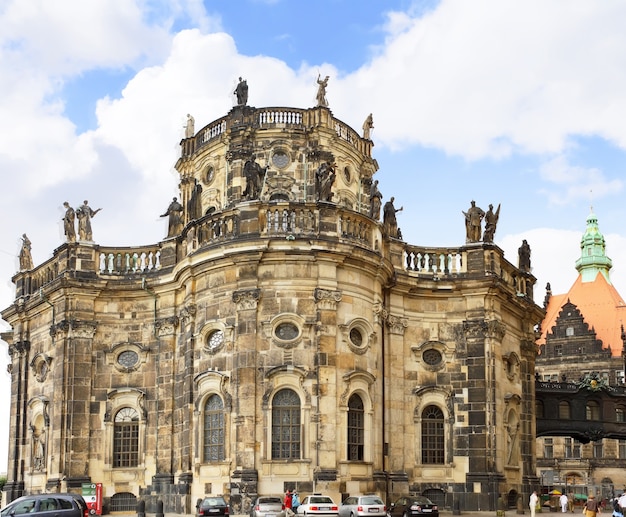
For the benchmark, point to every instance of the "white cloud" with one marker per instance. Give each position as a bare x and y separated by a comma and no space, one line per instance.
492,78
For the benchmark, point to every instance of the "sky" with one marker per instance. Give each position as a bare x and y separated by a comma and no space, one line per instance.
517,103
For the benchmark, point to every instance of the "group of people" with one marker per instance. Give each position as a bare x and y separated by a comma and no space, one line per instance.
291,502
591,508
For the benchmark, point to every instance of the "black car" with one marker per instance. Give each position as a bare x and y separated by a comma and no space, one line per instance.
413,506
47,505
212,506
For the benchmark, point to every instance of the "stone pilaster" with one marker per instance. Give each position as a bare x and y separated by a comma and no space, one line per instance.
245,382
163,416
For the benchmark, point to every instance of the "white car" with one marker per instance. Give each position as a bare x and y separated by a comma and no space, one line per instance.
363,506
318,504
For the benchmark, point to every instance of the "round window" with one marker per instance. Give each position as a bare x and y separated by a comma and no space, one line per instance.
280,159
432,357
210,174
356,337
128,358
286,331
215,339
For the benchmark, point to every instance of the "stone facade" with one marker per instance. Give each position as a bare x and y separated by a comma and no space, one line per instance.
279,340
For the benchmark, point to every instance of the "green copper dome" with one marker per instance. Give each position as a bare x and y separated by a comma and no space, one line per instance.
593,259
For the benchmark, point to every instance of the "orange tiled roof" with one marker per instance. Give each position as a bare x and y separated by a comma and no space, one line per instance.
600,304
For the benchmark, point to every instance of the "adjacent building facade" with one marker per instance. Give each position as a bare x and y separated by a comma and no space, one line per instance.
582,341
282,336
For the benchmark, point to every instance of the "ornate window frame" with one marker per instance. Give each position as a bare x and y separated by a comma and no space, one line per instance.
40,366
209,329
277,379
271,326
113,353
118,399
366,330
359,383
207,384
443,399
447,354
511,363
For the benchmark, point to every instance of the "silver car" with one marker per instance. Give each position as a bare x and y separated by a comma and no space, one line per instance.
363,506
268,506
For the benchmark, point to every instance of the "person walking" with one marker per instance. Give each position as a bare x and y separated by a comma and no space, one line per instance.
591,507
563,500
534,499
288,502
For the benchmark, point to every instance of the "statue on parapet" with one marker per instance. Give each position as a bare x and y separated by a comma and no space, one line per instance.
174,213
473,223
390,222
376,201
190,127
69,219
26,259
85,214
491,221
524,258
321,90
242,92
368,125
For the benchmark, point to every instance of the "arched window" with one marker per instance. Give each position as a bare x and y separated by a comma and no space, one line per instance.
356,428
286,425
564,410
126,438
592,410
620,414
432,436
213,430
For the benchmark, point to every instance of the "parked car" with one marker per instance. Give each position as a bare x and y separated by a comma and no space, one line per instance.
47,505
413,506
268,506
212,505
317,504
362,506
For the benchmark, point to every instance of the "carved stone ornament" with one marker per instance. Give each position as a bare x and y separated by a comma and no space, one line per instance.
326,298
40,366
83,329
188,312
166,326
247,299
397,324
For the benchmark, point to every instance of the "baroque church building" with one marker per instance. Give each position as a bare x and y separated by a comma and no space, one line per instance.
282,336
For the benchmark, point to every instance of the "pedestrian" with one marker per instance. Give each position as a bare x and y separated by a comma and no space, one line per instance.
288,502
532,503
563,500
591,507
295,502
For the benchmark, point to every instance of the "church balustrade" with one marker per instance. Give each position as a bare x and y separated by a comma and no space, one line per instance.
122,262
289,220
434,261
218,227
283,116
210,132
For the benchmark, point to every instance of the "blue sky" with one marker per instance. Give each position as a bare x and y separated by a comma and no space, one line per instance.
518,103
